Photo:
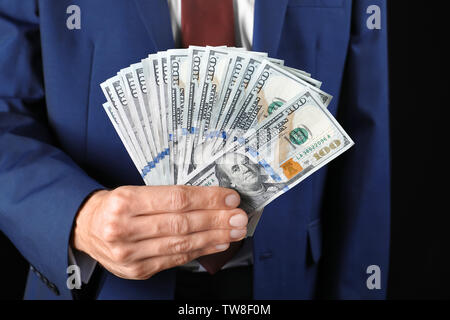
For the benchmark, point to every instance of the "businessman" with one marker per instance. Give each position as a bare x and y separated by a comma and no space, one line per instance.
69,193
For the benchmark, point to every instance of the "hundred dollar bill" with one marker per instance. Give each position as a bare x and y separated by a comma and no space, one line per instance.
130,115
114,89
234,73
152,76
299,71
269,90
117,122
279,62
296,140
126,131
232,81
219,63
178,80
304,76
141,89
238,93
140,118
195,73
166,112
121,132
149,99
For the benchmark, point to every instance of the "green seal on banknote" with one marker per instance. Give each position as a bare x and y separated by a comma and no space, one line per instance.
274,106
298,136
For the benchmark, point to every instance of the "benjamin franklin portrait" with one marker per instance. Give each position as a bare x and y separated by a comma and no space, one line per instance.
236,171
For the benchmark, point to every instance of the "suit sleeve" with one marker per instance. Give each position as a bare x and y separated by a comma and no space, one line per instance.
357,211
41,188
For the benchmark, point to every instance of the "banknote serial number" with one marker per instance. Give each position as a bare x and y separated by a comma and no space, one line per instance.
313,147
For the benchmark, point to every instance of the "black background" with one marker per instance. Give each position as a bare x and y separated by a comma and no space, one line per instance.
420,239
420,247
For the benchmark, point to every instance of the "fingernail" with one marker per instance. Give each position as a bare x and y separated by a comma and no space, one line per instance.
222,246
238,220
238,233
232,200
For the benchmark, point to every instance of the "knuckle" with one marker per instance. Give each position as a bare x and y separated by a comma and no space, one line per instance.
216,190
219,219
179,200
112,231
217,195
180,245
155,228
136,272
181,259
119,200
179,224
119,254
124,191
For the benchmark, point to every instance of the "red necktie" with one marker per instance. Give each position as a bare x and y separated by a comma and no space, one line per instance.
207,23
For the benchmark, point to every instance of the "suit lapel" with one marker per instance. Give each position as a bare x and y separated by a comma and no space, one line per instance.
156,18
269,20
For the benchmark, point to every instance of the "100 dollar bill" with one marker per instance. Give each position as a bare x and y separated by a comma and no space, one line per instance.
273,87
178,82
295,141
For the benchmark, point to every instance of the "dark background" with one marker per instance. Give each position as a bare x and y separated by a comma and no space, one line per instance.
420,249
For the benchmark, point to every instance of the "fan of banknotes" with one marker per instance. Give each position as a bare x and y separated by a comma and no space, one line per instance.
221,116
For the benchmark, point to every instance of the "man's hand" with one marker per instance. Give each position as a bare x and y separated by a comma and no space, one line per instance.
136,232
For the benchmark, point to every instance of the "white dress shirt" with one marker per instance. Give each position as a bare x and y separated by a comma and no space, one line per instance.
243,29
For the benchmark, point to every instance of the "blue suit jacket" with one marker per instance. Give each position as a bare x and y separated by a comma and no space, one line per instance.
57,144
